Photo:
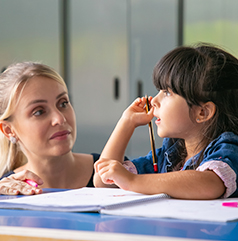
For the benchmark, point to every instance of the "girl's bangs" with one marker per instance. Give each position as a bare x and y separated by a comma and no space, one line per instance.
166,75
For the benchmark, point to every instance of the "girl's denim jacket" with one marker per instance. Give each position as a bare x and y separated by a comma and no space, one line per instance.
222,149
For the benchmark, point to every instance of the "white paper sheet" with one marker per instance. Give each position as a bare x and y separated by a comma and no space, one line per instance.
211,210
78,200
115,201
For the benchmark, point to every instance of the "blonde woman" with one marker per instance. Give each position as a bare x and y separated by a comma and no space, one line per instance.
38,131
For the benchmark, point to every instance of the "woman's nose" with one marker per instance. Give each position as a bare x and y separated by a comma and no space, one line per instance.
58,118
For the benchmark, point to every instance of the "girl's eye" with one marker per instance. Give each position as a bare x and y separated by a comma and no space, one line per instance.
167,92
38,112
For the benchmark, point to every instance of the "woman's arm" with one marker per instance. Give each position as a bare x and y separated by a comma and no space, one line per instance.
15,184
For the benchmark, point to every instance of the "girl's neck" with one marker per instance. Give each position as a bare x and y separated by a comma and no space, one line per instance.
192,148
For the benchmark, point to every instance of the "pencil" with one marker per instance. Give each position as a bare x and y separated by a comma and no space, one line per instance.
152,139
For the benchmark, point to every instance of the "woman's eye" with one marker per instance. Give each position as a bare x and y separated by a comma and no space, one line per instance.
64,104
38,112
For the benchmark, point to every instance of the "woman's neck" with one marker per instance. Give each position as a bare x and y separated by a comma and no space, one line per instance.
68,171
55,172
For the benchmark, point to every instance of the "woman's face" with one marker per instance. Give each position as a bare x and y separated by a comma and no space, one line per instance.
44,120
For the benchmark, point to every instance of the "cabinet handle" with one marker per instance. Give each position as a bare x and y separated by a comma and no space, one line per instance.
139,88
3,69
116,88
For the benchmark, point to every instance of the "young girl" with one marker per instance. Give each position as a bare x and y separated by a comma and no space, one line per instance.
196,112
38,124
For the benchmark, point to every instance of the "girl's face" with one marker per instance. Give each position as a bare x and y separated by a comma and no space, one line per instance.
173,116
44,120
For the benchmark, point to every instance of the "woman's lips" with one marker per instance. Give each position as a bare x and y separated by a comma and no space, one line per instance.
60,135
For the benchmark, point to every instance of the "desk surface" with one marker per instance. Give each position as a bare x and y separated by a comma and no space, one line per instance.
117,224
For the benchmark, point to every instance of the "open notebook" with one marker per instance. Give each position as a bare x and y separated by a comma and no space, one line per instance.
80,200
115,201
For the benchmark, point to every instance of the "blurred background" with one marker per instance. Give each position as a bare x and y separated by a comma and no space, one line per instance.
106,51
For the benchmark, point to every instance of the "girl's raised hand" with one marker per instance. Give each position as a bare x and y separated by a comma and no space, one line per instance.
16,184
136,112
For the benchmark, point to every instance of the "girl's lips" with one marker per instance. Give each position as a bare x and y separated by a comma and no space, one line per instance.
60,135
157,121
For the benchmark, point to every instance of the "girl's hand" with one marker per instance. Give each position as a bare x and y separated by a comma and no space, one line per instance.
15,184
136,112
113,172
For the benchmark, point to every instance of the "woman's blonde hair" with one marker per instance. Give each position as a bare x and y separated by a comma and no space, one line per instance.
12,83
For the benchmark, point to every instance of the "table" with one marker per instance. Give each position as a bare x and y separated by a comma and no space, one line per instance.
97,226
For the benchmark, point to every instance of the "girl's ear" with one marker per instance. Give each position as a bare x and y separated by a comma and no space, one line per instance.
6,129
206,112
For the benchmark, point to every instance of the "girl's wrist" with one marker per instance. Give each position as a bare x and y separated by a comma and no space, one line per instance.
132,183
128,122
127,126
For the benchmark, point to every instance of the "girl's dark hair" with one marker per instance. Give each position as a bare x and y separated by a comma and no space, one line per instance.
200,74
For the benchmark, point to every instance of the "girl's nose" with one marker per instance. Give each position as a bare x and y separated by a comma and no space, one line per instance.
58,118
155,101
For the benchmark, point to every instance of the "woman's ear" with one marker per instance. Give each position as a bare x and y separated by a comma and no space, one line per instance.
6,129
206,112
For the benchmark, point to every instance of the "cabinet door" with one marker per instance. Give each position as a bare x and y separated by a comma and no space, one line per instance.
29,31
99,69
212,21
153,32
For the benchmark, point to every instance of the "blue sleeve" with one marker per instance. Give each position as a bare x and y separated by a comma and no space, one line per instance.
225,149
7,174
145,164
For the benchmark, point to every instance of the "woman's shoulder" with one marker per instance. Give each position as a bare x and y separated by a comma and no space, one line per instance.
88,157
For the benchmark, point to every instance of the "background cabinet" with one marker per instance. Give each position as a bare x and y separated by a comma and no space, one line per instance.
111,49
99,65
30,31
152,33
107,49
116,42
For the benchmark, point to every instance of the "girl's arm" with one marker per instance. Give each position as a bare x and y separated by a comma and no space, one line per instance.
188,184
135,115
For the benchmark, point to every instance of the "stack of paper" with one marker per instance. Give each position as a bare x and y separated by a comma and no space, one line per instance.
115,201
